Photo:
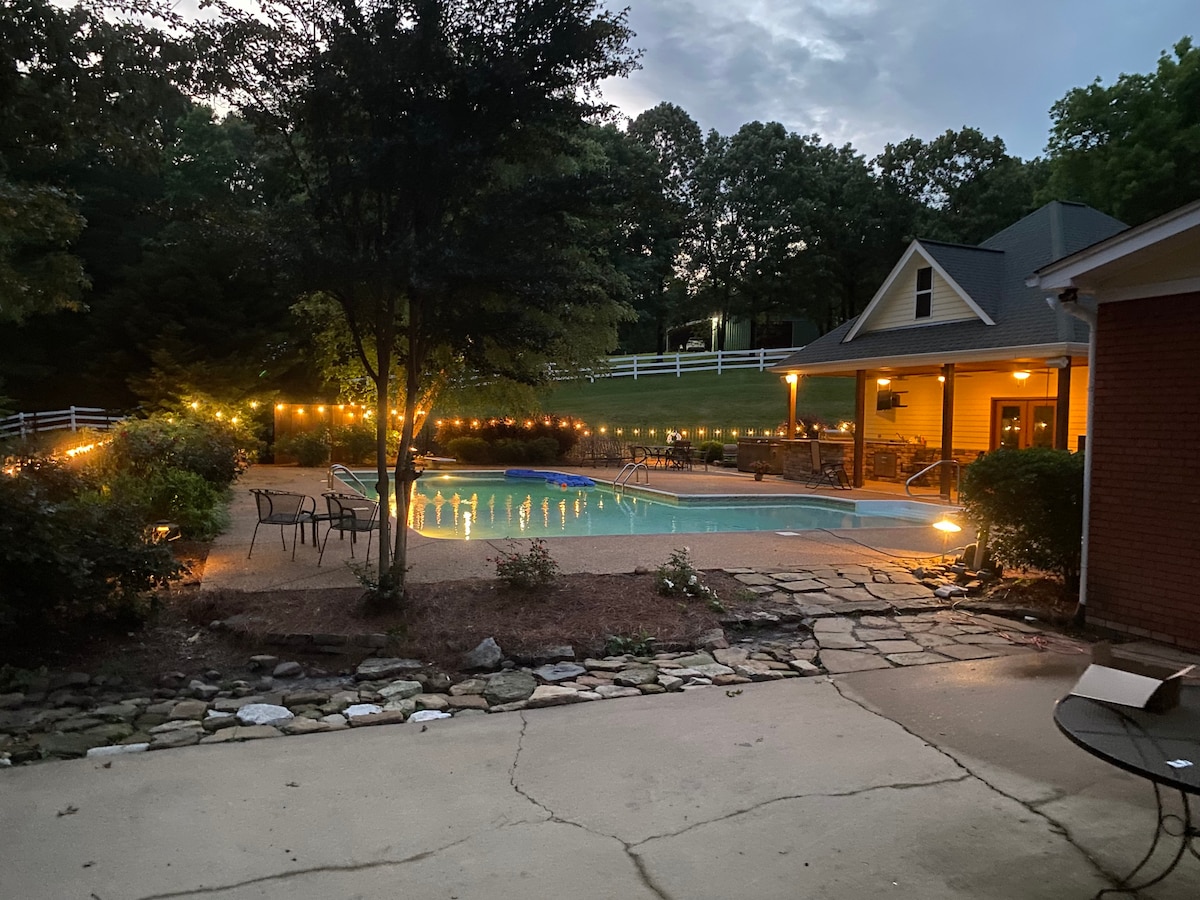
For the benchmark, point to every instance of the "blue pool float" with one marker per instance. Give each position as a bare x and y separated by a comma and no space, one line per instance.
551,477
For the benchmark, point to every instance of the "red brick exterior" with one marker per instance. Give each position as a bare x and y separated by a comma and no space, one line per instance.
1144,541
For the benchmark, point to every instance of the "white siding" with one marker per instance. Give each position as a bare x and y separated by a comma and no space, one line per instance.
897,308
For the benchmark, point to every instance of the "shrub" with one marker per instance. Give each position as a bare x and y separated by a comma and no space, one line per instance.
469,449
1031,504
678,577
640,644
543,450
214,451
562,432
534,568
310,448
196,506
712,451
354,444
71,553
510,451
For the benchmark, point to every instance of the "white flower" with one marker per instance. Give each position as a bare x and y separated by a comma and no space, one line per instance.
692,580
669,583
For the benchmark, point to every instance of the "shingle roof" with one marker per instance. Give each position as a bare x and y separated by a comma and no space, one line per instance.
994,275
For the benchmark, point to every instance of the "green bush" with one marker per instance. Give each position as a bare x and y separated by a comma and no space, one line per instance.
711,451
354,444
71,553
469,449
510,451
532,569
539,431
213,450
197,507
543,450
1031,504
678,577
310,448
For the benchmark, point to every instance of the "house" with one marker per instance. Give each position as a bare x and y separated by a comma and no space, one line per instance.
956,355
1141,554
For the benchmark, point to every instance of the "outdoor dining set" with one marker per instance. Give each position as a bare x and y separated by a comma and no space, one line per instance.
344,513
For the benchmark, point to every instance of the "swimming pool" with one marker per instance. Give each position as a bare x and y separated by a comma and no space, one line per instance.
482,505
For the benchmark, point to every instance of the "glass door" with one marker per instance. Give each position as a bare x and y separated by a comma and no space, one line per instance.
1020,424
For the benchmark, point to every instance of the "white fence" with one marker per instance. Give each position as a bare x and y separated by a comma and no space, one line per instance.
74,418
678,363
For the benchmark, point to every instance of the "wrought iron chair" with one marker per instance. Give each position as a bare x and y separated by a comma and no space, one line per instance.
680,455
349,513
282,508
831,473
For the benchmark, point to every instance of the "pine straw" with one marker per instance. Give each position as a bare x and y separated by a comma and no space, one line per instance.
442,621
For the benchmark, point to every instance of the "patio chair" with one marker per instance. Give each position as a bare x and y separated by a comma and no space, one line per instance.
282,508
831,473
349,513
680,455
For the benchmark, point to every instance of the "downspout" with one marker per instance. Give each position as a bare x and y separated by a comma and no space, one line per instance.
1068,301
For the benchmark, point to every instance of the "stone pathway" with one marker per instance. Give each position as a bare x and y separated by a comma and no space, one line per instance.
805,622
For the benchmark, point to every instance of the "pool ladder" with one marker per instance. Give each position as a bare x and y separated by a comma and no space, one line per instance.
338,472
630,470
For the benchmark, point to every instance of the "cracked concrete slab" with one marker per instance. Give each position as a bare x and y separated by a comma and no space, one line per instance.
943,781
718,755
848,848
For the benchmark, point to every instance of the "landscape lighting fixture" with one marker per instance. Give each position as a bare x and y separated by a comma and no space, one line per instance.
947,527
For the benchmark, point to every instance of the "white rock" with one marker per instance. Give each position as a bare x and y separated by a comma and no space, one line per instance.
264,714
337,720
118,750
361,709
428,715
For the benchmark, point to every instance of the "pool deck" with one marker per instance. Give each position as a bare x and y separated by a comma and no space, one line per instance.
430,559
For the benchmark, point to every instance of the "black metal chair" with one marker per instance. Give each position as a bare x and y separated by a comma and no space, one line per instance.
680,455
831,473
282,508
349,513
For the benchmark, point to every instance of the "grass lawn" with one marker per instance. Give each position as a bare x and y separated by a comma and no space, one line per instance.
742,399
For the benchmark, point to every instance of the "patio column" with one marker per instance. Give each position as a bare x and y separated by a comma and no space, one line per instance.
947,427
860,426
1062,414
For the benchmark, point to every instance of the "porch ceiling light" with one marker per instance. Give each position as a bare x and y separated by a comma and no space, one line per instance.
1021,376
883,382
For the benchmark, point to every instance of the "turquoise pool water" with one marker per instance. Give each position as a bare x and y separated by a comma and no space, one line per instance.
465,506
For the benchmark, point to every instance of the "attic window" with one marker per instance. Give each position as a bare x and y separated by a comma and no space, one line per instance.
924,293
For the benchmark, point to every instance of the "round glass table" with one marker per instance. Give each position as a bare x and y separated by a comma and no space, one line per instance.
1163,748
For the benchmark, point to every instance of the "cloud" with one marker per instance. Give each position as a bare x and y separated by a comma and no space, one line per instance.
869,72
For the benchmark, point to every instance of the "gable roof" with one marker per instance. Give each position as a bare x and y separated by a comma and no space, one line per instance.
922,249
994,276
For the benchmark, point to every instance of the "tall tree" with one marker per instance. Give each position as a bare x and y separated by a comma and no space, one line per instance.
960,186
673,142
79,86
445,179
1131,149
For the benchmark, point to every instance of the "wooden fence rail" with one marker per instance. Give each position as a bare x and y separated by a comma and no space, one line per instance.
73,418
676,364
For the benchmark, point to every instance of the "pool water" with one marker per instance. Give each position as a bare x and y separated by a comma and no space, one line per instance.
465,506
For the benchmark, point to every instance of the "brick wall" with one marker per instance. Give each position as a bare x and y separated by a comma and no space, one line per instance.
1144,542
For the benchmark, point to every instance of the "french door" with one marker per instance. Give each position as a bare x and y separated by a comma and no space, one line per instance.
1020,424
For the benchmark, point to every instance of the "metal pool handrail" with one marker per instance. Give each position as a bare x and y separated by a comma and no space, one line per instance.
337,469
930,468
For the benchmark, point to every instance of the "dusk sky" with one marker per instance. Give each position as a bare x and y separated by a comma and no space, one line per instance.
870,72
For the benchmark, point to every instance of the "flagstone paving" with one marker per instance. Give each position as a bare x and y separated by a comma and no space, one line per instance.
800,623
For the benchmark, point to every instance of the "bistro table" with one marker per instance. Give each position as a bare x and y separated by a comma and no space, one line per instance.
1163,748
